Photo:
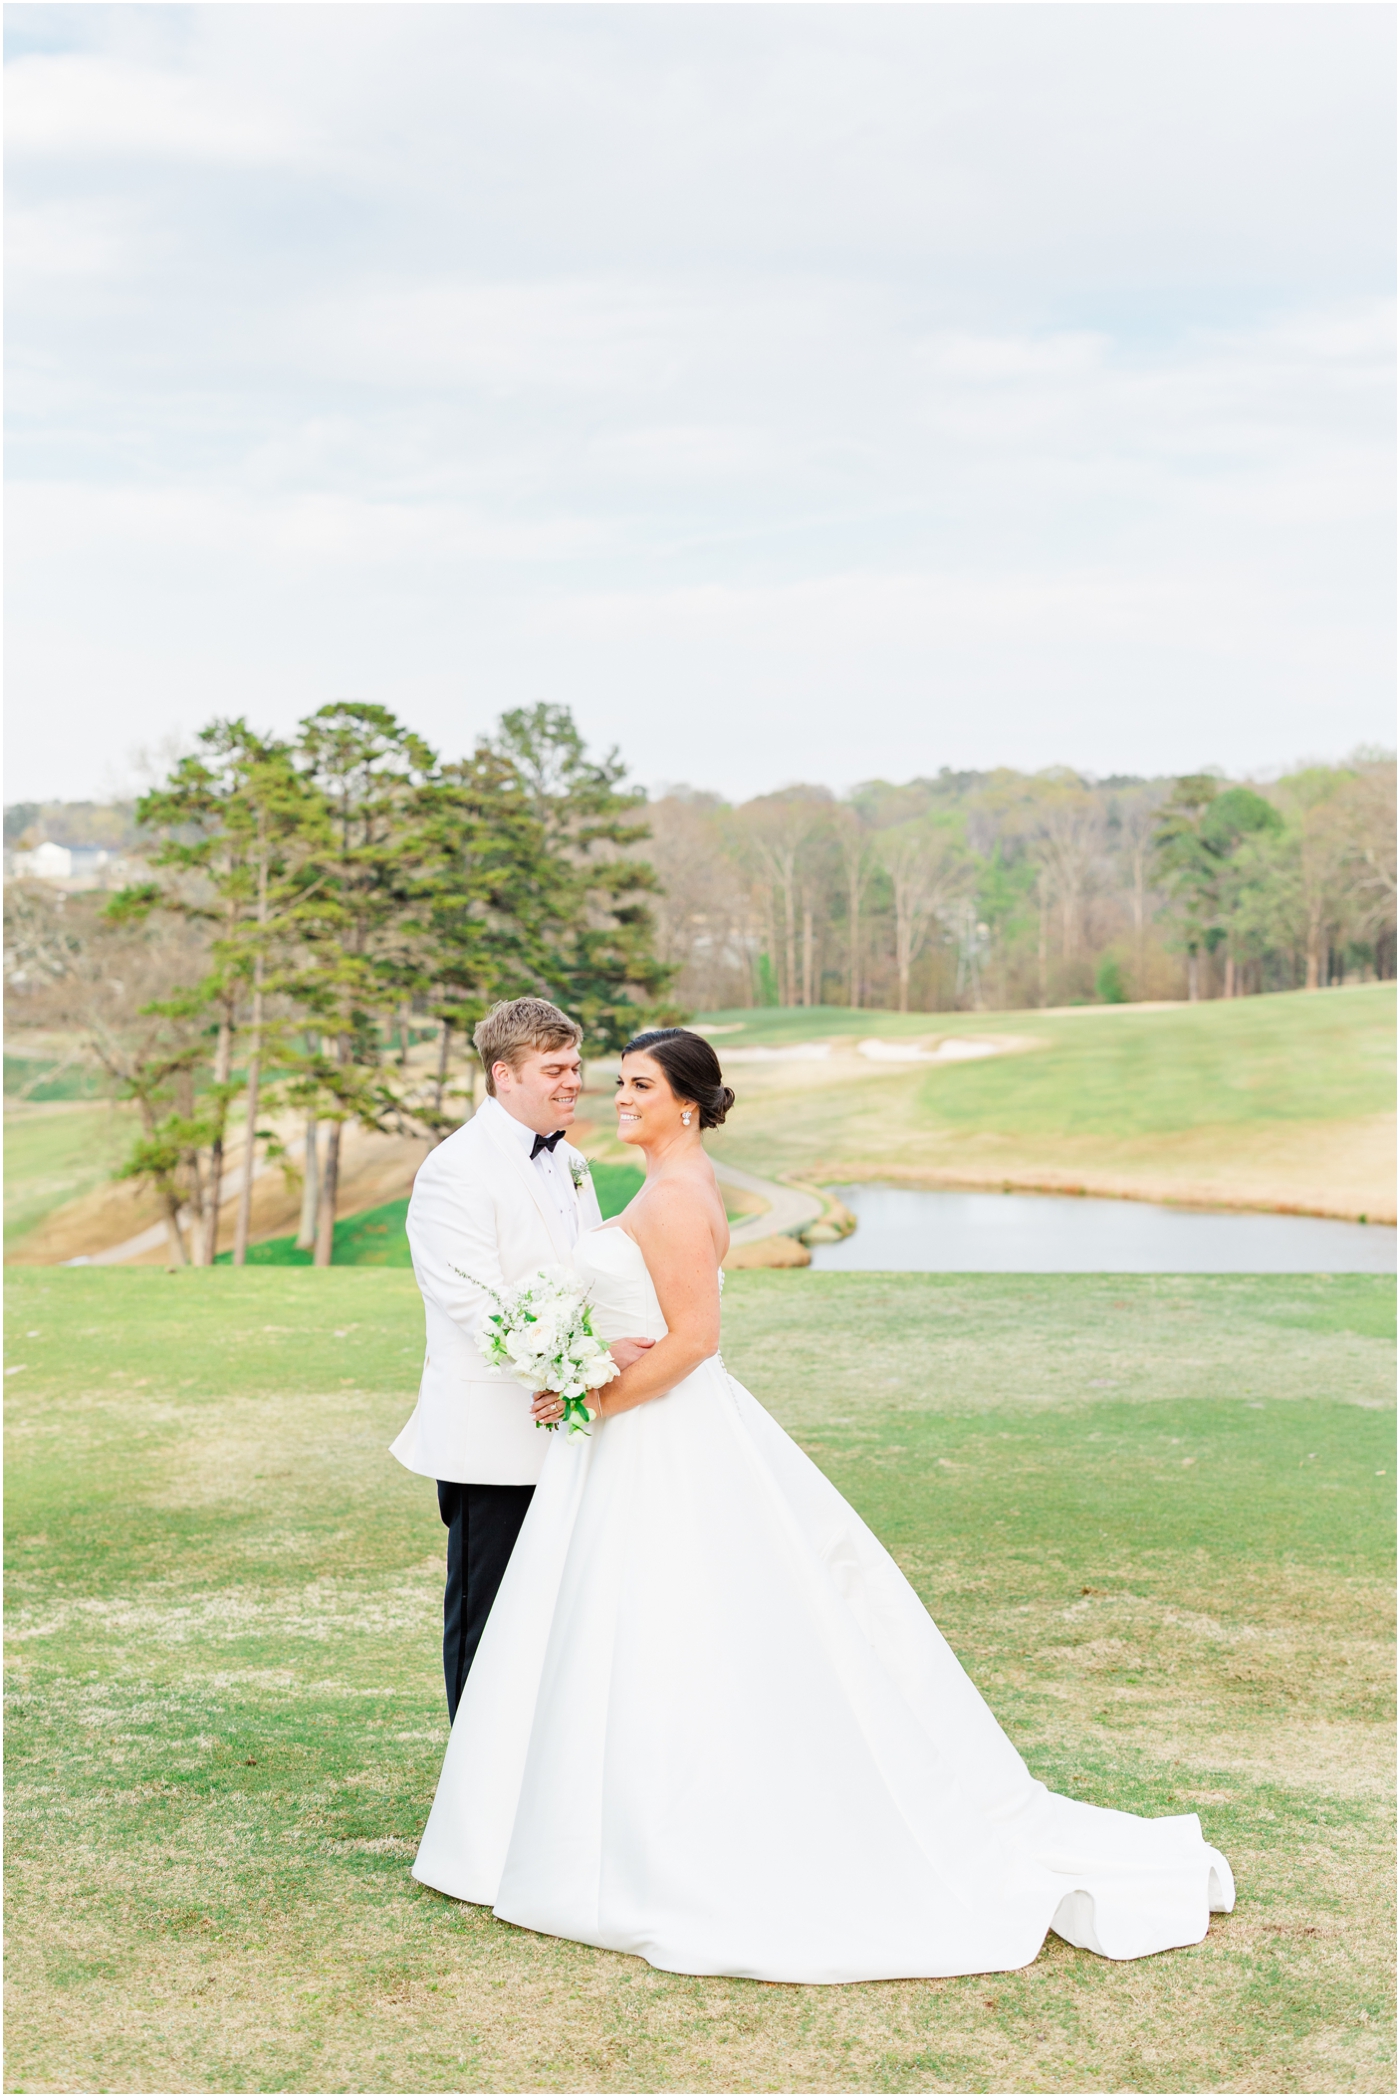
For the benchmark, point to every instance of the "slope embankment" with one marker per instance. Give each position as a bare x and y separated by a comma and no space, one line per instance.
1272,1103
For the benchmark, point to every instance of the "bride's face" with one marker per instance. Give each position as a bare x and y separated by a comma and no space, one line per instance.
647,1109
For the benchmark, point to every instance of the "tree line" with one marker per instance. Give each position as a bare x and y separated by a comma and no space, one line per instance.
313,908
984,890
320,920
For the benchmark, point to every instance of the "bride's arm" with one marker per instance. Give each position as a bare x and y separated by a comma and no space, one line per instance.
677,1242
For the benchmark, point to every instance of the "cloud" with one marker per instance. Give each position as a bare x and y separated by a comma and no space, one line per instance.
567,338
1015,383
81,107
89,237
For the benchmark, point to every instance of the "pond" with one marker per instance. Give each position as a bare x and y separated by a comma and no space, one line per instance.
913,1230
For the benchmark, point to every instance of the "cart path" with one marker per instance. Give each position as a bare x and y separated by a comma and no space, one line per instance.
789,1209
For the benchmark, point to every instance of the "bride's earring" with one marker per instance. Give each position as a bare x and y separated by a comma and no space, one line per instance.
685,1119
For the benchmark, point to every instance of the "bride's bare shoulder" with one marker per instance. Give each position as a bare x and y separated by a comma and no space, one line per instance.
684,1205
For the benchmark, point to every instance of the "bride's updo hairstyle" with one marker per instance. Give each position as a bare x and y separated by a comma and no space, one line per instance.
691,1067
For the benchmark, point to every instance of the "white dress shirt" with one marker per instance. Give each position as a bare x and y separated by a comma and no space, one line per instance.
551,1166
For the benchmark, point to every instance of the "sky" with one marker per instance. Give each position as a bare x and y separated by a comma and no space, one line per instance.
795,392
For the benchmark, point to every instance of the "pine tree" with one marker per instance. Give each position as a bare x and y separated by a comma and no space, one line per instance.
1199,831
598,932
374,838
477,910
348,886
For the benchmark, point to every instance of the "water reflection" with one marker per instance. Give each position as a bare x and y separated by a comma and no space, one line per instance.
914,1230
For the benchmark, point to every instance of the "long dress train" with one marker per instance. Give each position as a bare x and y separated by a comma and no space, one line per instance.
711,1724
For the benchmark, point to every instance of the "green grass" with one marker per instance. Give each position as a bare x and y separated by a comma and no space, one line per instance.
615,1185
373,1238
53,1154
1281,1101
1124,1072
1151,1513
74,1082
1134,1074
769,1026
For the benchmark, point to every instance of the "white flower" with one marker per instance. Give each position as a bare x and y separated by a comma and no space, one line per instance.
540,1331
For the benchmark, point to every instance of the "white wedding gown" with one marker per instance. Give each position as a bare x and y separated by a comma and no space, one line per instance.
711,1724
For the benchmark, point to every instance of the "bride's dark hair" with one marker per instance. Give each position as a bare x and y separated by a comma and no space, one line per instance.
691,1067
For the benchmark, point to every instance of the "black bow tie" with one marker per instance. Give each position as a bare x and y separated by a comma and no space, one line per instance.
547,1143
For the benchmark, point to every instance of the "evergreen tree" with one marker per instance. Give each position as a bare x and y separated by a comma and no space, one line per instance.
1187,867
347,887
596,928
369,774
477,910
1199,831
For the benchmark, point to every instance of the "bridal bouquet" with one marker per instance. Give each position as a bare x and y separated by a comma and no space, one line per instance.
541,1333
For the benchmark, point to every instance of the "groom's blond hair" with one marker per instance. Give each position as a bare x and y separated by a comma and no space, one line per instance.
518,1025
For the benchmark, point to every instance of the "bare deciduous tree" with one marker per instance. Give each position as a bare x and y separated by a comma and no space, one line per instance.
67,968
704,908
1137,821
778,829
929,871
1068,839
853,844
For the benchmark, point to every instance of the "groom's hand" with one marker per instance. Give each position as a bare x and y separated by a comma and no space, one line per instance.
625,1352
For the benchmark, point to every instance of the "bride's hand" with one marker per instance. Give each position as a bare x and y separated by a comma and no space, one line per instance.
546,1406
625,1352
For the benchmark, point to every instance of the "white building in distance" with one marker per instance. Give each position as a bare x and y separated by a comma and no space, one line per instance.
67,866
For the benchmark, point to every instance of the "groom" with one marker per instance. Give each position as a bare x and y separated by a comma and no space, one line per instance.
504,1195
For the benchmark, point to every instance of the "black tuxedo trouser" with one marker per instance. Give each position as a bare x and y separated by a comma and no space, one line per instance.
483,1522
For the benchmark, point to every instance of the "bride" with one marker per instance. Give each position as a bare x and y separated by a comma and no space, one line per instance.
709,1722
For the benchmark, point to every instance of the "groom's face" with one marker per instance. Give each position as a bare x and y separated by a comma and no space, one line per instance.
544,1091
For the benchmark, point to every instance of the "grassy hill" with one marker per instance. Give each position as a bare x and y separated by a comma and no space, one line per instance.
56,1153
1153,1515
1279,1102
1268,1102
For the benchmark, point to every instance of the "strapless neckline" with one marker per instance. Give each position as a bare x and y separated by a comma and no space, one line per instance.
622,1291
615,1230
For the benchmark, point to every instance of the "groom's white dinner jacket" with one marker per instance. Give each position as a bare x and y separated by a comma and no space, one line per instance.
480,1205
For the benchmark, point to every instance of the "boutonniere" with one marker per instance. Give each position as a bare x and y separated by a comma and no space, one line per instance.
578,1173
